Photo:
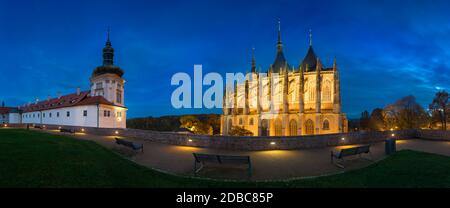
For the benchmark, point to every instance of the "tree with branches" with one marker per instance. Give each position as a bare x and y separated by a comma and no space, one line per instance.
440,108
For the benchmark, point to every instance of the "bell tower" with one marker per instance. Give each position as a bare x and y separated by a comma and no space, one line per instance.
106,80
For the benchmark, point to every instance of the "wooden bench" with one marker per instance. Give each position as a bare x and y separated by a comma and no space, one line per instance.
203,159
347,152
67,131
130,144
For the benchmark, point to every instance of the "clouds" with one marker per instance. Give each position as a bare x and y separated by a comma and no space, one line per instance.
385,49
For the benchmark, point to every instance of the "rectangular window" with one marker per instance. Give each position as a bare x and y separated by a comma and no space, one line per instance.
119,96
57,114
50,115
43,115
68,113
99,85
85,113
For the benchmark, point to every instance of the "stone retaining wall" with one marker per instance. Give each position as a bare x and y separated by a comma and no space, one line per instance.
260,143
248,142
13,125
434,134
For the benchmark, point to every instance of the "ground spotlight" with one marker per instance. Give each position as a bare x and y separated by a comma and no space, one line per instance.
273,143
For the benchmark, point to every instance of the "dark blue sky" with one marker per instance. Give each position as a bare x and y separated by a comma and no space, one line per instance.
385,49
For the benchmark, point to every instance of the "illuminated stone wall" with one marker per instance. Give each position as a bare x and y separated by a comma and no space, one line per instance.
263,143
434,134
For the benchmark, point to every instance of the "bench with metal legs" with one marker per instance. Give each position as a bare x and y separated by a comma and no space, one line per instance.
203,159
339,158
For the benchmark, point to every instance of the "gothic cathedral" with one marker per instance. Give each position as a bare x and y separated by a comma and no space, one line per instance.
286,101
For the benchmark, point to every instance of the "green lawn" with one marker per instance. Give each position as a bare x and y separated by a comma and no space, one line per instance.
35,159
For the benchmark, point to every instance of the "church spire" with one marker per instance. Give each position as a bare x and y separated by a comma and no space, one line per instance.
107,34
253,61
108,52
310,37
279,43
280,63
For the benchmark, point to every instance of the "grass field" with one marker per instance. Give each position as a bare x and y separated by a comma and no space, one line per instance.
36,159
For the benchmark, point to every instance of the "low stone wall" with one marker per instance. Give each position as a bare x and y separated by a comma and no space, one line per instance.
271,143
434,135
13,125
247,142
259,143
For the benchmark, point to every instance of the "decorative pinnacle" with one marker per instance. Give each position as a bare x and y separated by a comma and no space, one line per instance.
253,60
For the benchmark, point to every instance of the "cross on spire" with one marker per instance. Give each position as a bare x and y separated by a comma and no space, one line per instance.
108,31
310,37
279,31
279,24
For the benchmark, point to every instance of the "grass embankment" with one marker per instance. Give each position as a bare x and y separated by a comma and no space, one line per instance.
36,159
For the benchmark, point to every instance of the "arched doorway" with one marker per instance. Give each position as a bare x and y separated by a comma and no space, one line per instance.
264,127
278,128
309,127
293,128
326,125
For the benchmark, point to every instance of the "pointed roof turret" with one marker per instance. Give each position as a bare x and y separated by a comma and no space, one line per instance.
310,59
108,60
108,52
280,62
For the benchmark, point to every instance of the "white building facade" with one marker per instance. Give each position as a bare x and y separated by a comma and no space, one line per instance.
101,107
9,115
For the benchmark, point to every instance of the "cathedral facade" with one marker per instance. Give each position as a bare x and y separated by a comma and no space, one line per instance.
285,100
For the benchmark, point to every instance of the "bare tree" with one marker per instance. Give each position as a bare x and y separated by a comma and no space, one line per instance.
440,108
406,113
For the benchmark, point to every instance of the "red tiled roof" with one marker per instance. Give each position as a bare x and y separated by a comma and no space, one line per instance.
5,110
94,100
66,101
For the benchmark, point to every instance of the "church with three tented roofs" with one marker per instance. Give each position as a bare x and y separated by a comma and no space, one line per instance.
286,100
102,106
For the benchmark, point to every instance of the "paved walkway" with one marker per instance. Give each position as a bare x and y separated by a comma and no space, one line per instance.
270,164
